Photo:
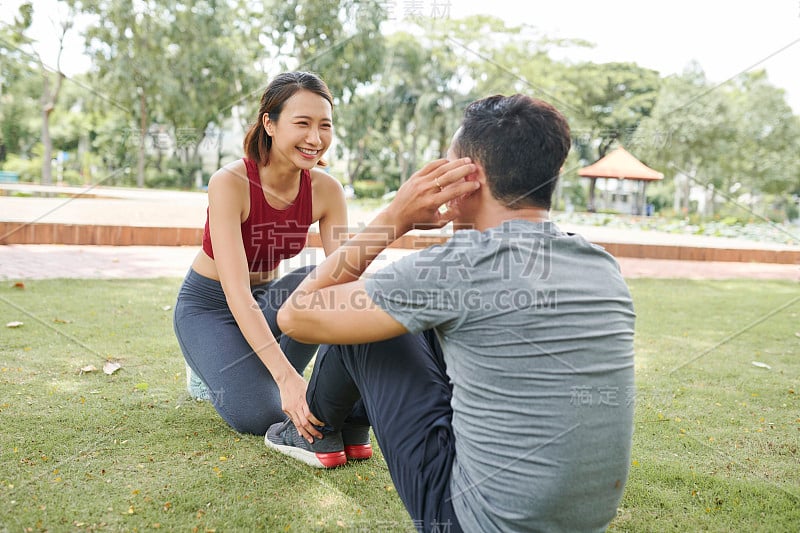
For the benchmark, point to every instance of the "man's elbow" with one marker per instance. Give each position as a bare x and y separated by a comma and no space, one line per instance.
287,322
300,326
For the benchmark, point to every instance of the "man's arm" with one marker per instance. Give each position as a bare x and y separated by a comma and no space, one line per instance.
331,305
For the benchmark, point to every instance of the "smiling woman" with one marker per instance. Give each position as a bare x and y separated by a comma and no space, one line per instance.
259,212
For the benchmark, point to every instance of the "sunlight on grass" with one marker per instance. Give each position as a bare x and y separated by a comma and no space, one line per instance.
715,442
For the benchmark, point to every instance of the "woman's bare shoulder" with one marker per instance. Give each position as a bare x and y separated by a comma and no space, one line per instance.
234,174
324,181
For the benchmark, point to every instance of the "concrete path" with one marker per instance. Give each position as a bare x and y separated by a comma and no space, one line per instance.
138,207
25,262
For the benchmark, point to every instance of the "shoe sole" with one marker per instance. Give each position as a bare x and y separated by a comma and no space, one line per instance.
317,460
358,452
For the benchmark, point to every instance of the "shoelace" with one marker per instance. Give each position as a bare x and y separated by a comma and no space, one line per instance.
284,434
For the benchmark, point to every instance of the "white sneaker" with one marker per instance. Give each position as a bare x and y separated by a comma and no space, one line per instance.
195,386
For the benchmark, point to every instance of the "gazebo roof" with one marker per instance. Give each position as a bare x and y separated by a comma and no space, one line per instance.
620,164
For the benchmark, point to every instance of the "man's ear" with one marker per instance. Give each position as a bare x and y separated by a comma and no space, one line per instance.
479,175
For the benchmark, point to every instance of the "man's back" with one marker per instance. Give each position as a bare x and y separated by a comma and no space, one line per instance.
537,331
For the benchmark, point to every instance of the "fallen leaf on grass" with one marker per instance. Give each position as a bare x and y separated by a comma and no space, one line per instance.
14,324
109,367
759,364
19,285
88,368
61,321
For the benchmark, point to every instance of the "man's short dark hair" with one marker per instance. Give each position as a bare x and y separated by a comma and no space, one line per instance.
521,142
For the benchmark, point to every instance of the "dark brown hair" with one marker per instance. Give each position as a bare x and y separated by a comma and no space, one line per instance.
521,142
256,142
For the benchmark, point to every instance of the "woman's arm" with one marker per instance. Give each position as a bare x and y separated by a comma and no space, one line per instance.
227,198
330,208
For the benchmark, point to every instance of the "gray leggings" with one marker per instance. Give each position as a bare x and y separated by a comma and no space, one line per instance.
241,388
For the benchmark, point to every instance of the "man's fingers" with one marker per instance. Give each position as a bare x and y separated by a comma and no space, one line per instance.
453,171
431,167
454,191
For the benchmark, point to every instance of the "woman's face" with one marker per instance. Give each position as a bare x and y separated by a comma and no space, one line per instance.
303,131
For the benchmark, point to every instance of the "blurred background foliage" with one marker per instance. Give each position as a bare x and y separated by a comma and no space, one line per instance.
173,84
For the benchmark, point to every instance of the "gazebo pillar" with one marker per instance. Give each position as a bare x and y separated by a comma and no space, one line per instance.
620,164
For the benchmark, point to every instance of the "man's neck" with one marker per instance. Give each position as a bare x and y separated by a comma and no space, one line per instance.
494,215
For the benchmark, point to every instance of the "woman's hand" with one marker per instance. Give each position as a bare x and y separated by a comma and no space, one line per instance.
293,403
418,201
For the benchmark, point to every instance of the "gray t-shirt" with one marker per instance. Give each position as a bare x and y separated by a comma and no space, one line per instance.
536,327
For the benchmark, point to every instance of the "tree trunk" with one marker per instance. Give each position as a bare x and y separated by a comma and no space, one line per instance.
220,139
49,99
47,145
355,162
592,187
142,137
687,195
197,164
711,200
412,157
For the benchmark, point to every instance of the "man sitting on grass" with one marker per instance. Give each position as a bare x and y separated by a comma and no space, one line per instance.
496,369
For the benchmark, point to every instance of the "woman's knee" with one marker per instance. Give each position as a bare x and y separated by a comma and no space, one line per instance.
255,422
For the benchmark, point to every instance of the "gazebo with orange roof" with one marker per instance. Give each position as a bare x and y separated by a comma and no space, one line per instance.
622,165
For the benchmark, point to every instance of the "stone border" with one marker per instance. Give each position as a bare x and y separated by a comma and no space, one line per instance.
86,234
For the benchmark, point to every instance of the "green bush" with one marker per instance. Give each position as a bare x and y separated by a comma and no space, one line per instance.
176,175
781,209
29,170
572,192
70,176
792,211
369,189
162,180
731,221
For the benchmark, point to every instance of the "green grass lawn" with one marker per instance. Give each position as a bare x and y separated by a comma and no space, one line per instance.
715,447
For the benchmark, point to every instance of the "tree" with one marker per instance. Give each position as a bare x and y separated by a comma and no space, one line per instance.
343,43
16,75
735,138
688,127
767,132
420,97
362,129
609,101
52,81
127,43
174,65
210,66
20,48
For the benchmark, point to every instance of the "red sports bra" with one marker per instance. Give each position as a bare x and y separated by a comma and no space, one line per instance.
271,235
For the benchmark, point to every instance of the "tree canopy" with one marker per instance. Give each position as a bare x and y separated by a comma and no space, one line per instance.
174,83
